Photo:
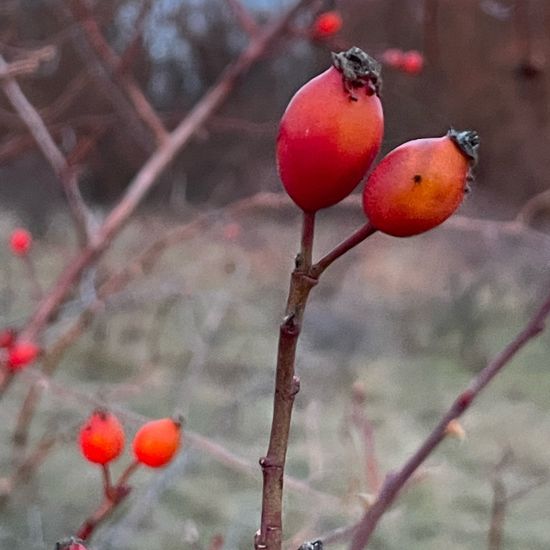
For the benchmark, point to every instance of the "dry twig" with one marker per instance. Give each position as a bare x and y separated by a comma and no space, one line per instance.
395,481
51,152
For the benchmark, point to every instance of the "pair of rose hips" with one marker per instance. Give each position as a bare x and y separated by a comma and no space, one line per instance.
411,62
330,134
19,354
155,444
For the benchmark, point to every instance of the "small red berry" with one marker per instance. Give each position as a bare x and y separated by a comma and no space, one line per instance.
101,437
331,131
156,442
420,184
327,24
412,62
20,354
20,242
393,57
7,337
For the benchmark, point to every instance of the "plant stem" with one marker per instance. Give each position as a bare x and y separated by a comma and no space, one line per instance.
107,484
287,385
123,480
114,495
353,240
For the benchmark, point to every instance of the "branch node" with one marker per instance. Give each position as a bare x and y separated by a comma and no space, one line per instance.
289,325
267,464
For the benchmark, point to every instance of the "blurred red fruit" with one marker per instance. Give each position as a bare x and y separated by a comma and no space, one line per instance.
413,62
20,242
20,354
7,337
393,57
101,437
327,24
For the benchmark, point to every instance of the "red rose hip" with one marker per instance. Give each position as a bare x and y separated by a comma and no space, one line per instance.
101,437
412,62
420,184
331,131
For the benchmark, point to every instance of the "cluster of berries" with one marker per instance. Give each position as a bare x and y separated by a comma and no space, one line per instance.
155,444
330,134
410,62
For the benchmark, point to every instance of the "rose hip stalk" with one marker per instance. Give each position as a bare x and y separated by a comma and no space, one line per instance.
329,135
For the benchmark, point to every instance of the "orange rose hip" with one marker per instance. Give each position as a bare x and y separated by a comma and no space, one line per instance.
421,183
157,442
101,437
331,132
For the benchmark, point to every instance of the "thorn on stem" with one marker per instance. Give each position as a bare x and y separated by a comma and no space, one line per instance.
295,385
289,325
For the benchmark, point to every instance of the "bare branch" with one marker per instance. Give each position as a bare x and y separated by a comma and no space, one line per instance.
51,152
153,168
102,48
29,64
243,16
395,481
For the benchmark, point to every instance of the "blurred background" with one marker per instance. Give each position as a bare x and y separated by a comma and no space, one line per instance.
393,332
